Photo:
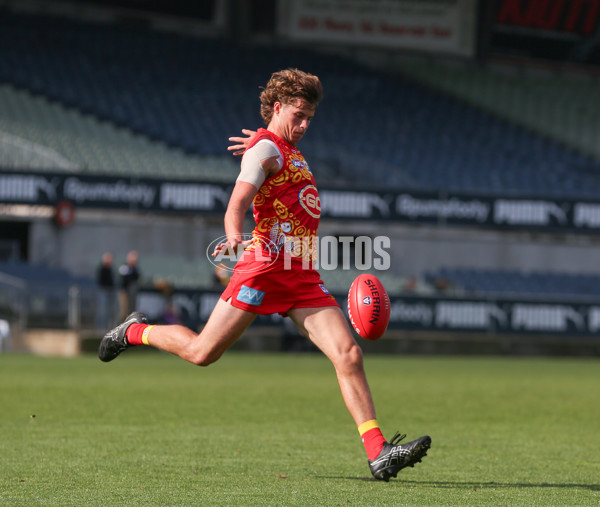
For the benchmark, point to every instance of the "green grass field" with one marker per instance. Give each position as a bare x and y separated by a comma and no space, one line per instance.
271,429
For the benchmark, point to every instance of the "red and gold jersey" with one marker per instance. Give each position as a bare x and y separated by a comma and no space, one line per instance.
287,206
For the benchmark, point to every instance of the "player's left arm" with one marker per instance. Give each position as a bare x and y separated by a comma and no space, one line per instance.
241,142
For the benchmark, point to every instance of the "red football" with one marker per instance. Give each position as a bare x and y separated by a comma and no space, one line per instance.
368,306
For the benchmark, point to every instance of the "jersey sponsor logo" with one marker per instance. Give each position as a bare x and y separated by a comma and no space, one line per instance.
250,296
324,289
309,200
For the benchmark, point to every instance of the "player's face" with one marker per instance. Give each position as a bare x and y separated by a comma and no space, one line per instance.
292,120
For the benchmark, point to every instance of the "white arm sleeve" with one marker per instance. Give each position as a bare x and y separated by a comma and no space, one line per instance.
251,168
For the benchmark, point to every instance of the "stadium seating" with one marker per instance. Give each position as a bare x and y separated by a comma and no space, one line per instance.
177,271
50,292
514,283
44,135
198,274
194,274
563,107
140,91
31,273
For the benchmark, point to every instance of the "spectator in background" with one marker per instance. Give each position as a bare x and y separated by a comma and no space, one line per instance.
410,285
170,315
221,276
130,276
4,335
105,311
417,286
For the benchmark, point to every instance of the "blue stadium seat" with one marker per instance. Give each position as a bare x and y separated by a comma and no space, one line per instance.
512,283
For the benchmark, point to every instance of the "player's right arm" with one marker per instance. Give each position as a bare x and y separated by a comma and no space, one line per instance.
239,202
258,163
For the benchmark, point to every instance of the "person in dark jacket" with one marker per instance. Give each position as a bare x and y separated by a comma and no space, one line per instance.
105,311
130,276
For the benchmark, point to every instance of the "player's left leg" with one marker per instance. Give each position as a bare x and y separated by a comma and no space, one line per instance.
328,329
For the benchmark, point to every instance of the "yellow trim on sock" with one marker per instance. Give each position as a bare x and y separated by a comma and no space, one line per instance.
145,335
366,426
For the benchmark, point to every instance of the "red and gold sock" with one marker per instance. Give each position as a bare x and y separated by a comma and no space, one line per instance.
137,334
372,438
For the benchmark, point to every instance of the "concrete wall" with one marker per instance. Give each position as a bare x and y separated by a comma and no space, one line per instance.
79,246
414,249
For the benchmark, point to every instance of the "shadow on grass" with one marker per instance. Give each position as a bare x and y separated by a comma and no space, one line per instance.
473,485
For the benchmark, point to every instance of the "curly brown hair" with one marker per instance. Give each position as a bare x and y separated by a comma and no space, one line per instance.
286,86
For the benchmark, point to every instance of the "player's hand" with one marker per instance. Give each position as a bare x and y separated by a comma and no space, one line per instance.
241,142
231,245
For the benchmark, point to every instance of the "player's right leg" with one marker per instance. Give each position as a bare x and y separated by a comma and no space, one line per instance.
225,325
328,329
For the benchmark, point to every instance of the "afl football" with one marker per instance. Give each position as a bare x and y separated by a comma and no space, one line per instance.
368,306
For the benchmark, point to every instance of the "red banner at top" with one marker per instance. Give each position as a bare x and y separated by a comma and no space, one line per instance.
573,16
